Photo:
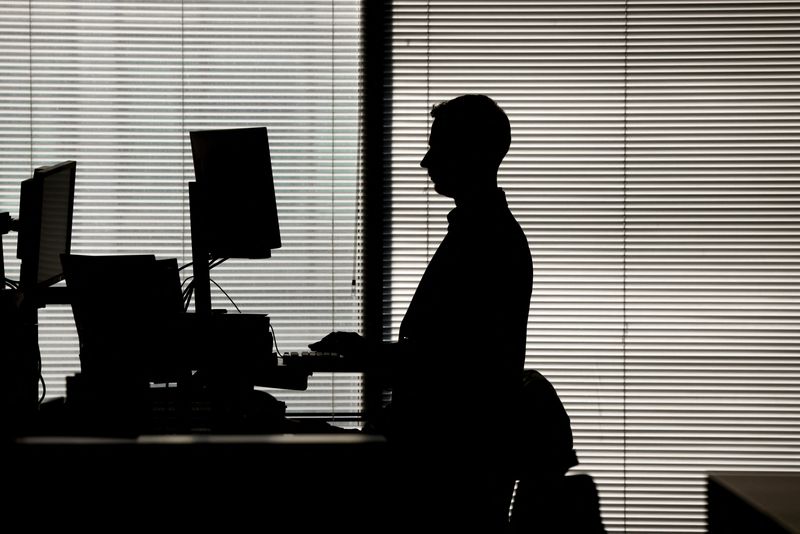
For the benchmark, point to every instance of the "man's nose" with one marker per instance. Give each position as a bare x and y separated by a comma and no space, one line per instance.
424,162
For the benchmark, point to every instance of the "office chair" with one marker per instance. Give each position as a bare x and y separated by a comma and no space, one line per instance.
562,505
547,500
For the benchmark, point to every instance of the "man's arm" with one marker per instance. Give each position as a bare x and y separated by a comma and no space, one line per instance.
372,355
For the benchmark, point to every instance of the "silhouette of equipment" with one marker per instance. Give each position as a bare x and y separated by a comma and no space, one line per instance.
147,364
45,230
215,361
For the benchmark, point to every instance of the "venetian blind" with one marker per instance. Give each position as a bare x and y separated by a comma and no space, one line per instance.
117,86
654,170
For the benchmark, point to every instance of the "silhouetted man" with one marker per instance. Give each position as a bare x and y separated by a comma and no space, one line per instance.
457,366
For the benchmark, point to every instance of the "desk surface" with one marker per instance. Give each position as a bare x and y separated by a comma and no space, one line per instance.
775,496
319,440
291,482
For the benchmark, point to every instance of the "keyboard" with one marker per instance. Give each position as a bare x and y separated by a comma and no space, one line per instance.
317,361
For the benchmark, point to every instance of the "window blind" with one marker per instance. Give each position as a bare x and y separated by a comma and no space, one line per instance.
712,278
654,169
117,86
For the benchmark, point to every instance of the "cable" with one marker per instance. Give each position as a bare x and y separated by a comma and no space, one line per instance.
188,292
44,388
274,338
188,299
186,280
226,294
41,376
216,262
210,262
187,295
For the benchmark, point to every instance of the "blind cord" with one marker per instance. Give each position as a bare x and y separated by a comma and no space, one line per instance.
30,77
39,366
183,131
625,271
428,123
333,189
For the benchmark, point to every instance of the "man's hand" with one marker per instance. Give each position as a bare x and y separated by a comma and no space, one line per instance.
348,344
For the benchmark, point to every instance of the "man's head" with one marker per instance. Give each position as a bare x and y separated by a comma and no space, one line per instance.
469,138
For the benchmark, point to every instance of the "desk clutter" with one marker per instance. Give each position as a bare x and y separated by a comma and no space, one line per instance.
151,367
175,372
146,361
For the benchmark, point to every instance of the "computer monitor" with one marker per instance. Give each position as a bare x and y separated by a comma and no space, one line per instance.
233,172
126,310
45,224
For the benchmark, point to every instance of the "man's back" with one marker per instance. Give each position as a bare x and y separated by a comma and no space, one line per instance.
458,388
465,328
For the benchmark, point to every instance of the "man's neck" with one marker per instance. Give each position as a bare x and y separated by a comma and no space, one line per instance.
477,196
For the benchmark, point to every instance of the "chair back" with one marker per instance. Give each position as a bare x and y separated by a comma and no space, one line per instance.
544,442
558,505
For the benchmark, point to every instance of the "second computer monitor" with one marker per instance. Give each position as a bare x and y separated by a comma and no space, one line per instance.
45,232
234,173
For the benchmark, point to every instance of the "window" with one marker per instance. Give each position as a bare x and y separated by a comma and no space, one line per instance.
654,169
118,86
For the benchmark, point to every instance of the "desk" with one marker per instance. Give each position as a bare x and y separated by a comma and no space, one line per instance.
331,482
747,503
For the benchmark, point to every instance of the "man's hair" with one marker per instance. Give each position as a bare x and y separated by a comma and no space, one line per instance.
476,123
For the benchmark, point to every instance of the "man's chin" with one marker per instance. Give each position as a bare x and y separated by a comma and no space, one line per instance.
445,192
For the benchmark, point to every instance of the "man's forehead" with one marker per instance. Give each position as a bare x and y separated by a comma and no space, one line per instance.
444,133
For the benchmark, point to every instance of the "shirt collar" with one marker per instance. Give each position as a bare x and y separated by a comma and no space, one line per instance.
476,210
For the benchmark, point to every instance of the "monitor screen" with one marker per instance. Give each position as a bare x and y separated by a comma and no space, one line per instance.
45,231
234,174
